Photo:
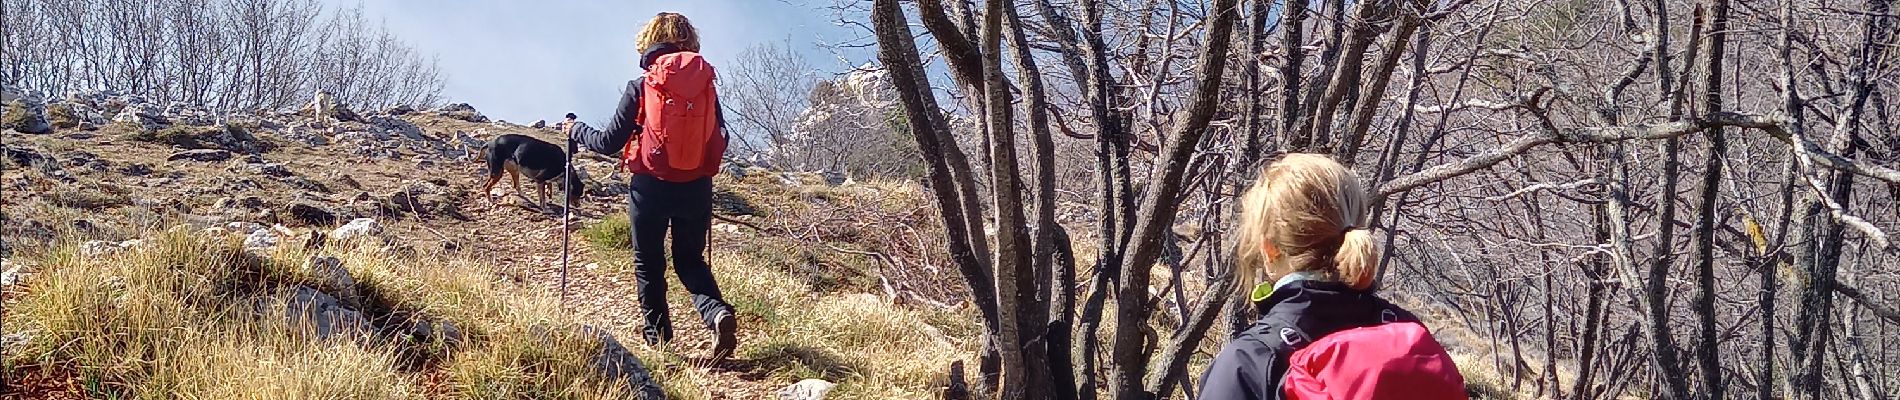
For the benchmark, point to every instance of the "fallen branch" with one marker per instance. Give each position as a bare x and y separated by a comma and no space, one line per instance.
743,223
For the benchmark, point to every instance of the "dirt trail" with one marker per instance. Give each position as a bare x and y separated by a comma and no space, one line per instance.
526,245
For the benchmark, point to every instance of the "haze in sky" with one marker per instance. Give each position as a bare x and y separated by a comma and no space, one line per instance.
526,60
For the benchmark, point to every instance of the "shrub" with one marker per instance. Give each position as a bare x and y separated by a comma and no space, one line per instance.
182,136
613,232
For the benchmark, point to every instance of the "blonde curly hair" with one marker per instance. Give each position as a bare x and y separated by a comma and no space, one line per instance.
671,28
1306,212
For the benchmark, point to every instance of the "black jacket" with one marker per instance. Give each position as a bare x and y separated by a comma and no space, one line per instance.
1252,364
625,124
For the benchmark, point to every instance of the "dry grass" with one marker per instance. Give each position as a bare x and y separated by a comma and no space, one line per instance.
175,317
870,347
89,196
803,289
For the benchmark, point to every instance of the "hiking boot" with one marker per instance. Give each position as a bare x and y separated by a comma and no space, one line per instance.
726,326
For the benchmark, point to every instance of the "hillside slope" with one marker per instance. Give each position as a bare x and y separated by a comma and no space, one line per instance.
169,252
152,253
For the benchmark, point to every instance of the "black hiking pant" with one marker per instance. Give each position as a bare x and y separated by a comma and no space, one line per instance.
686,207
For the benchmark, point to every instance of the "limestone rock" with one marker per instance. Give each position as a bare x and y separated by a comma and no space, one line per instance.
360,228
12,273
261,239
809,389
97,248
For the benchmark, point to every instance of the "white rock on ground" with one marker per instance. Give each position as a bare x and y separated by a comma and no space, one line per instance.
97,248
243,227
357,229
809,389
10,343
14,273
261,239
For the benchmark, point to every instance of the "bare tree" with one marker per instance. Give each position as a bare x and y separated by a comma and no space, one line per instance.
767,88
1513,134
224,54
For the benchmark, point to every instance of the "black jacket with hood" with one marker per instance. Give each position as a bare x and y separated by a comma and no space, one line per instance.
1252,365
625,123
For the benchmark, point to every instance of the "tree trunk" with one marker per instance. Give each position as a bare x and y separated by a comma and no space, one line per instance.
1813,332
1093,72
1292,23
1347,72
1250,89
1056,288
1657,296
1014,282
1346,149
1704,232
897,50
1159,207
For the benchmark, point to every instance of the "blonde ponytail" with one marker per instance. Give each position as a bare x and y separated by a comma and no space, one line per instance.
1358,259
1311,211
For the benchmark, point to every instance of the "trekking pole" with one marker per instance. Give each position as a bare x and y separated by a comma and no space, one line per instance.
567,205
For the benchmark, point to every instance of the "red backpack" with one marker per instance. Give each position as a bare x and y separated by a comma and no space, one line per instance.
678,116
1393,360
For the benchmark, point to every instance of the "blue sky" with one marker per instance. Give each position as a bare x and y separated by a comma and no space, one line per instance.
528,60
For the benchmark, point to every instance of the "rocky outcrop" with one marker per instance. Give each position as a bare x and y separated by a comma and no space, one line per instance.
428,199
24,117
141,115
261,239
461,111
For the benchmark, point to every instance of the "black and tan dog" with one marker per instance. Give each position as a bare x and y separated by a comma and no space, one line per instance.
521,155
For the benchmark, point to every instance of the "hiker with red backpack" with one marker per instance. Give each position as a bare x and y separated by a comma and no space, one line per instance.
1322,333
669,133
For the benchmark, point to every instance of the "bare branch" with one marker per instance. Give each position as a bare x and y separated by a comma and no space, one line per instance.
1663,130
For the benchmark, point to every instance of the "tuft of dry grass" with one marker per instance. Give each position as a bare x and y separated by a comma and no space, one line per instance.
61,115
89,196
